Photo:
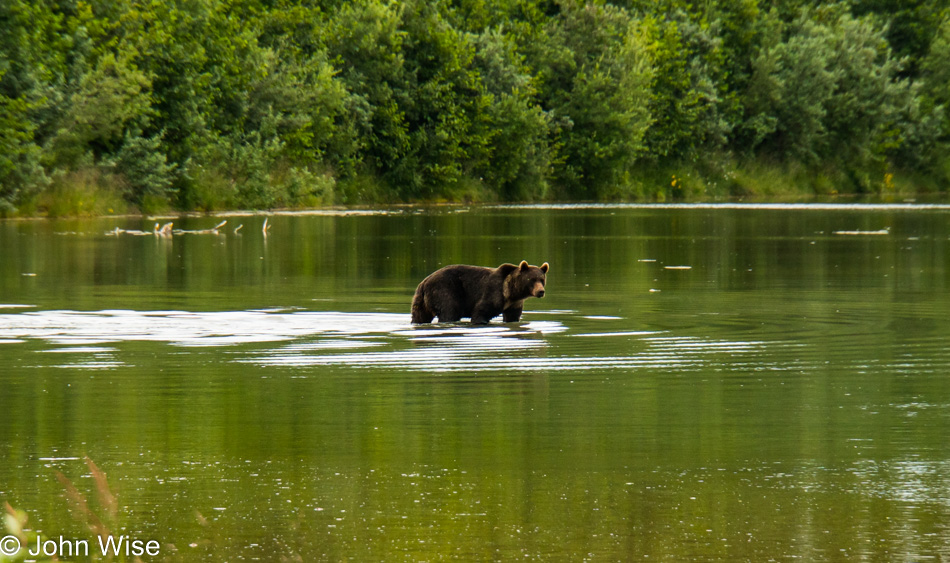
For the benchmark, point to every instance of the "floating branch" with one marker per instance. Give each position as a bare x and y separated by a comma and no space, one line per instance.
166,230
212,231
884,231
238,228
266,227
163,231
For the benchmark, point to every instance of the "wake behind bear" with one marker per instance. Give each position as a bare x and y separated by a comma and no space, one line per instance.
460,291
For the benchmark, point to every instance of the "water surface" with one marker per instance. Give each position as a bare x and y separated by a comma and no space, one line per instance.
699,383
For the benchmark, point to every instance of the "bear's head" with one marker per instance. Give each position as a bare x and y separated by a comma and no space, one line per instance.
524,280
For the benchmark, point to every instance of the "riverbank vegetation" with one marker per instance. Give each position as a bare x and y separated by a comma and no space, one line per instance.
111,105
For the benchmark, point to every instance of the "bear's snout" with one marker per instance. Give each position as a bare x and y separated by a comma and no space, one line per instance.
538,289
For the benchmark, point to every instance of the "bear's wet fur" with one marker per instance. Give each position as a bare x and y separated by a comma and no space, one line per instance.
481,294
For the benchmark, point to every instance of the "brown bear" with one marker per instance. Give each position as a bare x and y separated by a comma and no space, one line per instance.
481,294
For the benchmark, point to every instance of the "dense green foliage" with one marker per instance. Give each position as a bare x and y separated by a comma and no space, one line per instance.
200,104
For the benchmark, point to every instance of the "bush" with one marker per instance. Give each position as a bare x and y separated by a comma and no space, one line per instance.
144,170
21,176
829,93
82,193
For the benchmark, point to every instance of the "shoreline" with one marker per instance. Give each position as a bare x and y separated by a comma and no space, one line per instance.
840,201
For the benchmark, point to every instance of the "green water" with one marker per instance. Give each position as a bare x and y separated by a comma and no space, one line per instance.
265,398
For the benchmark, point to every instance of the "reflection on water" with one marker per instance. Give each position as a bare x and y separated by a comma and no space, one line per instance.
330,338
742,206
185,328
711,383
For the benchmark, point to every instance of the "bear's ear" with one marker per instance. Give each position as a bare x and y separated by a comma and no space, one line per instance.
524,265
544,267
506,269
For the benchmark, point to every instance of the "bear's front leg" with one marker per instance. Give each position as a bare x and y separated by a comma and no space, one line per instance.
512,314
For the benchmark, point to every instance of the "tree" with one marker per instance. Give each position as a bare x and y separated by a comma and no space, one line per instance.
111,101
594,81
20,173
829,91
365,40
518,159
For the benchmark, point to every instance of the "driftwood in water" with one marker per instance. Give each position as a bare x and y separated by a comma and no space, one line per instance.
215,230
881,232
166,230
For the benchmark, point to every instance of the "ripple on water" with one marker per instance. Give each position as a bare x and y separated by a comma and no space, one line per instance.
186,328
508,348
369,340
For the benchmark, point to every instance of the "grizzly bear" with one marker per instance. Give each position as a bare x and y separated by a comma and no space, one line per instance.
481,294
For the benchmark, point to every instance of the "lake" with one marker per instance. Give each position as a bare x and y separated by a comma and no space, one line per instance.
700,382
